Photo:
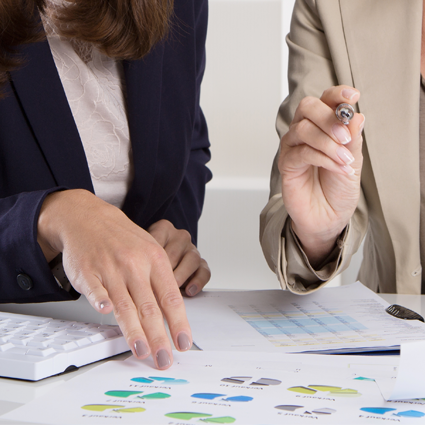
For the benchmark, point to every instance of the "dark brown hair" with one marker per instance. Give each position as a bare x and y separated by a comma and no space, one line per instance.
122,29
17,26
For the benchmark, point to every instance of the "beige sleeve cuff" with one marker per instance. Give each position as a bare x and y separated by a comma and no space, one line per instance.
300,275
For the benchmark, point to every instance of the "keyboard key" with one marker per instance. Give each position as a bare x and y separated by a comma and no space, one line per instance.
15,350
76,333
41,352
40,342
5,338
5,347
24,332
77,339
46,334
53,326
75,327
35,326
96,337
20,340
39,323
108,333
82,342
63,345
12,329
58,332
20,322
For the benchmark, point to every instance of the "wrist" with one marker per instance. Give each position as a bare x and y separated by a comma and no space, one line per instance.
52,220
44,228
317,246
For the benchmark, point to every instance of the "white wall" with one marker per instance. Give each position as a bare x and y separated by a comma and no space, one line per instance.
241,92
244,84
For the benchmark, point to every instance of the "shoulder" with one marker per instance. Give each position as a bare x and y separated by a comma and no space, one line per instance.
316,13
190,10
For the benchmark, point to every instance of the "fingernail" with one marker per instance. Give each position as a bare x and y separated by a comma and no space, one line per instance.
104,304
141,348
192,290
183,342
349,93
163,359
341,133
361,126
345,155
348,170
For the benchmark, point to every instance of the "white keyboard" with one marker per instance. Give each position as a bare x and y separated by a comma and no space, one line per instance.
34,348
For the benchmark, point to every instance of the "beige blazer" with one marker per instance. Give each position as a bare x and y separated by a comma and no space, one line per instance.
375,46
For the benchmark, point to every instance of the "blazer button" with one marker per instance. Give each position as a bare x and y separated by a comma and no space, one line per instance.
24,281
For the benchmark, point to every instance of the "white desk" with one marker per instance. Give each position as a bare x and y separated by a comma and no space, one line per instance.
14,392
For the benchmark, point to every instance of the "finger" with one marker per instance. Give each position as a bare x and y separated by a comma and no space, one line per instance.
156,290
126,314
177,247
306,132
172,305
299,159
96,294
161,231
187,266
333,96
356,127
198,280
314,110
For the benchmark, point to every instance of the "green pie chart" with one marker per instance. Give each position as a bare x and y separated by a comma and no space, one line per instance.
324,387
154,396
333,391
100,407
130,410
187,416
123,394
220,420
302,390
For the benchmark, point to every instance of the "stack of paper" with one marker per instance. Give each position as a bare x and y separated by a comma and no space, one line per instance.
346,319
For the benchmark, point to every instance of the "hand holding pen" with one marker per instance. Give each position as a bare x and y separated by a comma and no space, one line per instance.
320,163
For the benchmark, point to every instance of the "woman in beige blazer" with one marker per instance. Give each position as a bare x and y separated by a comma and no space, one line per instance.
336,45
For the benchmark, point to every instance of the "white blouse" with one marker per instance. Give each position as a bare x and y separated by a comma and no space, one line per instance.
95,88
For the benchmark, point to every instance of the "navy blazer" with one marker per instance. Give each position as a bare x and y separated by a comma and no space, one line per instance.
41,151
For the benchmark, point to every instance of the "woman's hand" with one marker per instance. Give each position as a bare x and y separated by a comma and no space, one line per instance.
119,266
320,164
190,270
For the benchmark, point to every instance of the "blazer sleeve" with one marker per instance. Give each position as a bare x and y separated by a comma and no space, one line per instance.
186,207
25,274
310,72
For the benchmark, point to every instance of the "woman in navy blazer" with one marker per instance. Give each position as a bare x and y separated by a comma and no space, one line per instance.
43,168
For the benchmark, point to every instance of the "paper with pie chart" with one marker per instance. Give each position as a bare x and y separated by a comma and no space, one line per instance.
225,388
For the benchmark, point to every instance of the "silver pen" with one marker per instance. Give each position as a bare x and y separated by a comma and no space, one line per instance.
344,112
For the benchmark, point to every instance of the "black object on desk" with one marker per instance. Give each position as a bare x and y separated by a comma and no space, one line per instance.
403,313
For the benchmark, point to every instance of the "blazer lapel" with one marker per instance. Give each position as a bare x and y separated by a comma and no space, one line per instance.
383,40
144,90
44,102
